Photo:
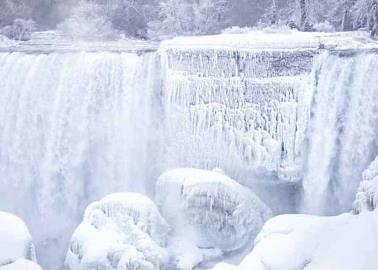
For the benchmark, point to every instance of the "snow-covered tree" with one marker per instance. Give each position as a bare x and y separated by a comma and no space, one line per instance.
365,15
87,21
13,9
130,16
188,17
210,16
20,29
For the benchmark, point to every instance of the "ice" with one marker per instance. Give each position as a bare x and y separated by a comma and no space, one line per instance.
343,130
241,110
210,209
367,195
121,231
16,246
73,128
88,119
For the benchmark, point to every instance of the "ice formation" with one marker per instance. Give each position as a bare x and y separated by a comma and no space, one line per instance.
367,195
73,128
220,213
16,246
121,231
242,110
343,132
77,124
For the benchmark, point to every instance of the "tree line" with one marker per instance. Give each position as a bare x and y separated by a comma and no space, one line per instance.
166,18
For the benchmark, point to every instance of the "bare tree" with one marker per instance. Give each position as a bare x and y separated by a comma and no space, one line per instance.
303,13
374,12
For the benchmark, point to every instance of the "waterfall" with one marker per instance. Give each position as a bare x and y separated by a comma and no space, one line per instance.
343,130
73,128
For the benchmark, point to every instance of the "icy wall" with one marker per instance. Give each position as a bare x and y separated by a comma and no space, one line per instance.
343,131
245,111
73,128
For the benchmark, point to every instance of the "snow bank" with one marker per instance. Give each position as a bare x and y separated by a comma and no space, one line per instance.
121,231
16,246
210,209
21,264
347,242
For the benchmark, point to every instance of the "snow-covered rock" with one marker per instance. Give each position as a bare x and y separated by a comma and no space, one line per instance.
210,209
121,231
345,242
16,246
15,239
21,264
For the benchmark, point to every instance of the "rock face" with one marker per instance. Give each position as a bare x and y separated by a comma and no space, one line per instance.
221,213
16,246
121,231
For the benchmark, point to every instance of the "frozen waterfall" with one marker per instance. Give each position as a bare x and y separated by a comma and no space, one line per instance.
343,130
74,127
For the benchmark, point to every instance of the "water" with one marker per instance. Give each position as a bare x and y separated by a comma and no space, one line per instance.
73,128
343,130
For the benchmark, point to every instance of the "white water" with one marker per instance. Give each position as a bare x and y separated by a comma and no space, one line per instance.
73,128
343,130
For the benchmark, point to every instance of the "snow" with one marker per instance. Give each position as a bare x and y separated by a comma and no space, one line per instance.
289,242
209,210
15,240
270,40
21,264
348,241
121,231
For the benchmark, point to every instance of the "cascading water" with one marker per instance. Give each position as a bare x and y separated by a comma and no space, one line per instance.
343,130
73,128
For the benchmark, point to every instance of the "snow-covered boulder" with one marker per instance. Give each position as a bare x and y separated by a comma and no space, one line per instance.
16,246
121,231
345,242
367,196
216,211
21,264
